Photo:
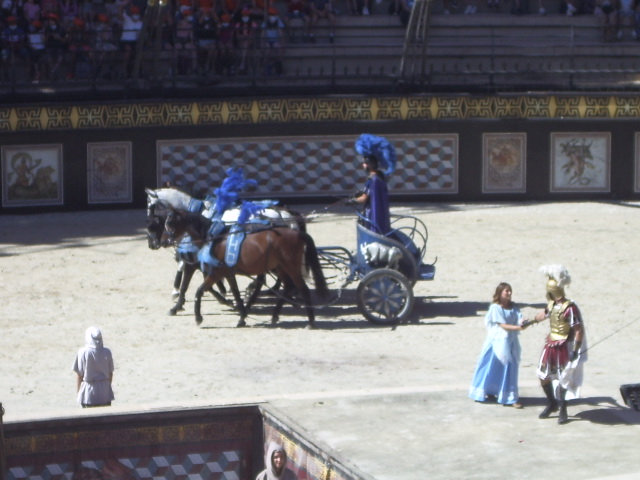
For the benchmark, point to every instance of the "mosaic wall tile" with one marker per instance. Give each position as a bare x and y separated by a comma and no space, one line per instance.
307,166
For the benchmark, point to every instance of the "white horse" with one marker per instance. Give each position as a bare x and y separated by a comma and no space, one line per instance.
174,198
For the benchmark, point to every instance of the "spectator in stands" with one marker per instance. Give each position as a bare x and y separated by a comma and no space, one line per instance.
472,6
231,8
7,9
225,63
570,7
70,10
185,46
55,37
31,11
14,42
607,10
403,9
448,6
183,7
206,39
80,49
105,45
245,35
273,37
322,9
259,9
49,6
636,23
297,18
627,18
131,27
205,5
37,58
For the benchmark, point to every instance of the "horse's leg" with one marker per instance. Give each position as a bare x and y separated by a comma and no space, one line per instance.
306,295
280,301
177,281
187,274
254,287
206,285
220,297
236,294
221,287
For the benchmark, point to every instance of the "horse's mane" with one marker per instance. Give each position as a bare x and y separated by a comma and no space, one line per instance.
200,223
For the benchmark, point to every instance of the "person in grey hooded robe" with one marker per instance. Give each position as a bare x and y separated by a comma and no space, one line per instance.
275,460
94,368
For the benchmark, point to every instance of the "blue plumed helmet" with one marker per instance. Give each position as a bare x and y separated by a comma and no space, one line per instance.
379,148
227,194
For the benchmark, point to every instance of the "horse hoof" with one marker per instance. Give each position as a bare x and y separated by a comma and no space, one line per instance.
198,320
241,323
172,313
311,326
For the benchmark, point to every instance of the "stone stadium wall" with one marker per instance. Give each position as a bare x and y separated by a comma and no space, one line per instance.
450,148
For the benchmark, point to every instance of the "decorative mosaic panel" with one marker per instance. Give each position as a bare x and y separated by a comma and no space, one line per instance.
330,109
288,167
580,162
175,466
214,444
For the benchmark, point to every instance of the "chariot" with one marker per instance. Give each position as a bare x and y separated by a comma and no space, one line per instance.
386,267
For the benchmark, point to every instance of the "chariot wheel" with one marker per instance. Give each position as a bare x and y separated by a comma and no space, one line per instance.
385,296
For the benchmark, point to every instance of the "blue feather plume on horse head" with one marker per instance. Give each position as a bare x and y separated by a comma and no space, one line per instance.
369,145
227,194
248,209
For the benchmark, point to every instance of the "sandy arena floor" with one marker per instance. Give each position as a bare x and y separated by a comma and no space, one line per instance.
63,272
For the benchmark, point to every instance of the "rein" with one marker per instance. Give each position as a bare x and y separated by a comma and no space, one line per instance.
315,213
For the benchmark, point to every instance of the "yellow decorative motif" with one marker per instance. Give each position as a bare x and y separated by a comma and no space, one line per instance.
388,109
507,107
358,109
329,109
596,107
148,115
569,107
300,110
240,112
479,108
274,111
627,107
90,117
211,113
177,114
270,111
451,108
119,116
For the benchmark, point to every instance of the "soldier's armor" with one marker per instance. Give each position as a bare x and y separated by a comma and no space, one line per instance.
560,328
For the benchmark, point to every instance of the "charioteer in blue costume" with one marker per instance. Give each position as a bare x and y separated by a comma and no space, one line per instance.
378,154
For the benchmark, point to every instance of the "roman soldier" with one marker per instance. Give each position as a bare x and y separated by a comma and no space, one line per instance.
564,351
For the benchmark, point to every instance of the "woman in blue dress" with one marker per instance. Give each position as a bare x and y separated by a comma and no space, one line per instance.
496,374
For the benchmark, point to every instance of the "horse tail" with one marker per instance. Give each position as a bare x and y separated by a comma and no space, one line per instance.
301,221
312,262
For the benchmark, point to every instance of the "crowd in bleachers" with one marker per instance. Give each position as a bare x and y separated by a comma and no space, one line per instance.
56,39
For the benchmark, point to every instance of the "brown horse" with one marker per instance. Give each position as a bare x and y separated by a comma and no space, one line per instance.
279,250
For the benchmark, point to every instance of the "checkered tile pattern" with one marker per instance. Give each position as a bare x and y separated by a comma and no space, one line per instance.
427,164
203,466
